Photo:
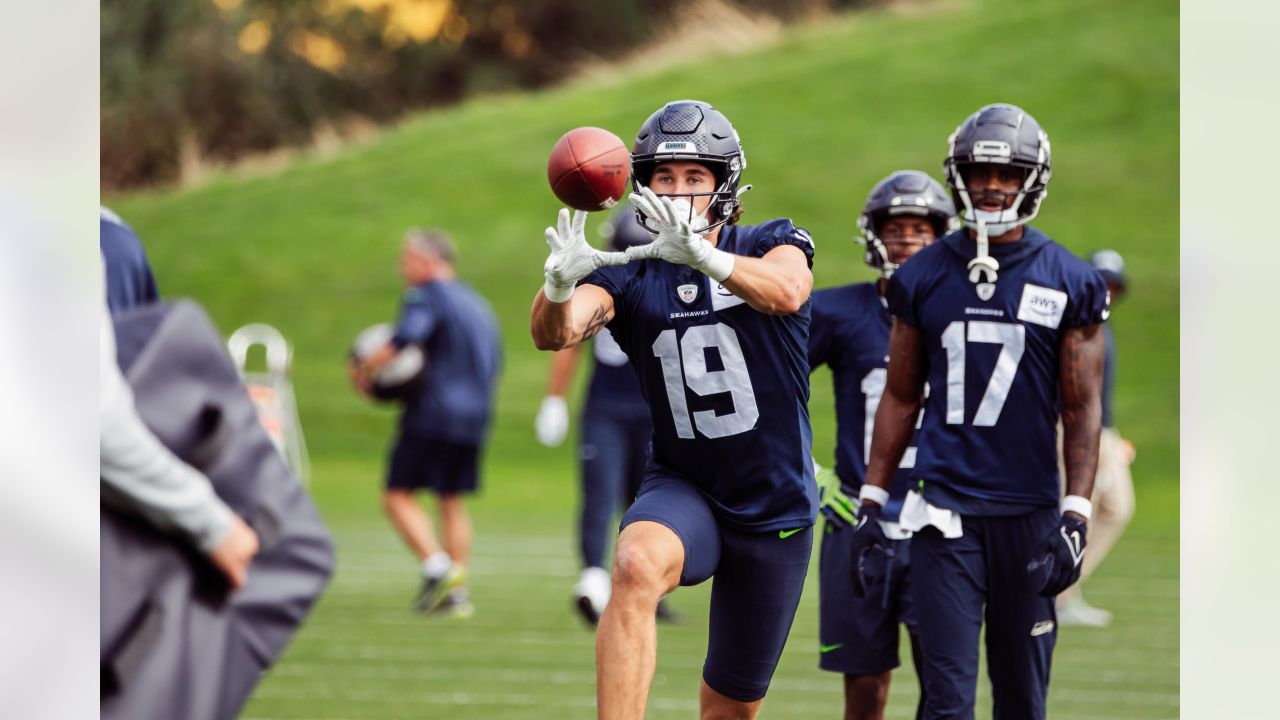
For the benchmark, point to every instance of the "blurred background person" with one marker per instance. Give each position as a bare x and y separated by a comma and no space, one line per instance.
613,444
444,425
1113,496
130,281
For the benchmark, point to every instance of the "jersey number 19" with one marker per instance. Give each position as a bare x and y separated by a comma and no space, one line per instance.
685,363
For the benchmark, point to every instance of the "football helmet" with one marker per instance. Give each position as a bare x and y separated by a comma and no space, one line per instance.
1006,135
693,131
1111,265
906,192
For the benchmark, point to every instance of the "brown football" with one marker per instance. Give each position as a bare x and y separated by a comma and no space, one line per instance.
589,168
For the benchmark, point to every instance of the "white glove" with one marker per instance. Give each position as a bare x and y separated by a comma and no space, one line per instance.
679,239
571,257
552,423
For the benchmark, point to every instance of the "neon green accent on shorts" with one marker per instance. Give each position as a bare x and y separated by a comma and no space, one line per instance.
784,534
829,648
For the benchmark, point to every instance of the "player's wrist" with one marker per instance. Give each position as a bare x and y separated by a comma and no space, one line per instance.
718,265
871,494
557,293
1077,505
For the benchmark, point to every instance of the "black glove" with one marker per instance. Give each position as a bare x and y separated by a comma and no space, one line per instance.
871,551
1058,561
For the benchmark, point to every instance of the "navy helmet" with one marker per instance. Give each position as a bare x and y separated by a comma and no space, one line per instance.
693,131
1006,135
906,192
622,230
1110,264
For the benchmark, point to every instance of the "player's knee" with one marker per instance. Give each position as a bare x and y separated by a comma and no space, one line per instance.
729,711
393,500
637,570
865,696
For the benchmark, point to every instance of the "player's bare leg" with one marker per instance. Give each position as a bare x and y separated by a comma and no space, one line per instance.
718,707
865,696
411,521
456,522
647,564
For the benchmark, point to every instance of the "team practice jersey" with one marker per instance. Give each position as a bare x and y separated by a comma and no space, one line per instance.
457,331
614,390
850,333
987,443
727,386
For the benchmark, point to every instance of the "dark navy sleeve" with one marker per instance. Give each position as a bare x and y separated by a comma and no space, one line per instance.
782,232
1088,301
820,332
900,297
613,279
417,319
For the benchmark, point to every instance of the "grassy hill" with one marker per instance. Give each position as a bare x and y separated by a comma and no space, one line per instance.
823,114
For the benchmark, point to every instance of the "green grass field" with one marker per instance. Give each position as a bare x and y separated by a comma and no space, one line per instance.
823,115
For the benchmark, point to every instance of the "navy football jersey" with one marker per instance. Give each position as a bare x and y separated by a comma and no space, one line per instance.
987,444
850,333
727,386
456,329
614,390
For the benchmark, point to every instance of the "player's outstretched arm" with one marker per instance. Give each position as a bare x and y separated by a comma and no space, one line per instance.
1082,353
895,421
563,314
778,283
557,326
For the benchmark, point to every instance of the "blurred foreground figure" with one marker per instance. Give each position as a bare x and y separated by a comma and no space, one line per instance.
1113,496
186,628
130,282
445,423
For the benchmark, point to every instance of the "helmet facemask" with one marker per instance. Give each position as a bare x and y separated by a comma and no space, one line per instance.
724,201
905,193
1005,135
877,253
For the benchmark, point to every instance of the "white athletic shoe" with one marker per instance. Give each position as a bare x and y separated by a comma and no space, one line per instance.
1079,613
591,594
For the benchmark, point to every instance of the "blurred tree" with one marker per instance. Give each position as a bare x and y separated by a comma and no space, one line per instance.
184,81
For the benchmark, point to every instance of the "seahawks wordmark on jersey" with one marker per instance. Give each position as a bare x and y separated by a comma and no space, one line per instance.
987,444
727,386
850,333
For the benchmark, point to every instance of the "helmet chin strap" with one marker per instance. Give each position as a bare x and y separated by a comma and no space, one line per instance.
983,264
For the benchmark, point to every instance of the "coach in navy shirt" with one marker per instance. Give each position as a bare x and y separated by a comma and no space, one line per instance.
1005,327
715,319
444,425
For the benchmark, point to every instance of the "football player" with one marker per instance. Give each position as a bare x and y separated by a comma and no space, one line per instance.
615,438
715,319
444,425
858,631
1005,326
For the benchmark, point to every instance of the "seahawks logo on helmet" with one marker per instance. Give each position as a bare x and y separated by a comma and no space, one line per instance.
906,192
692,131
